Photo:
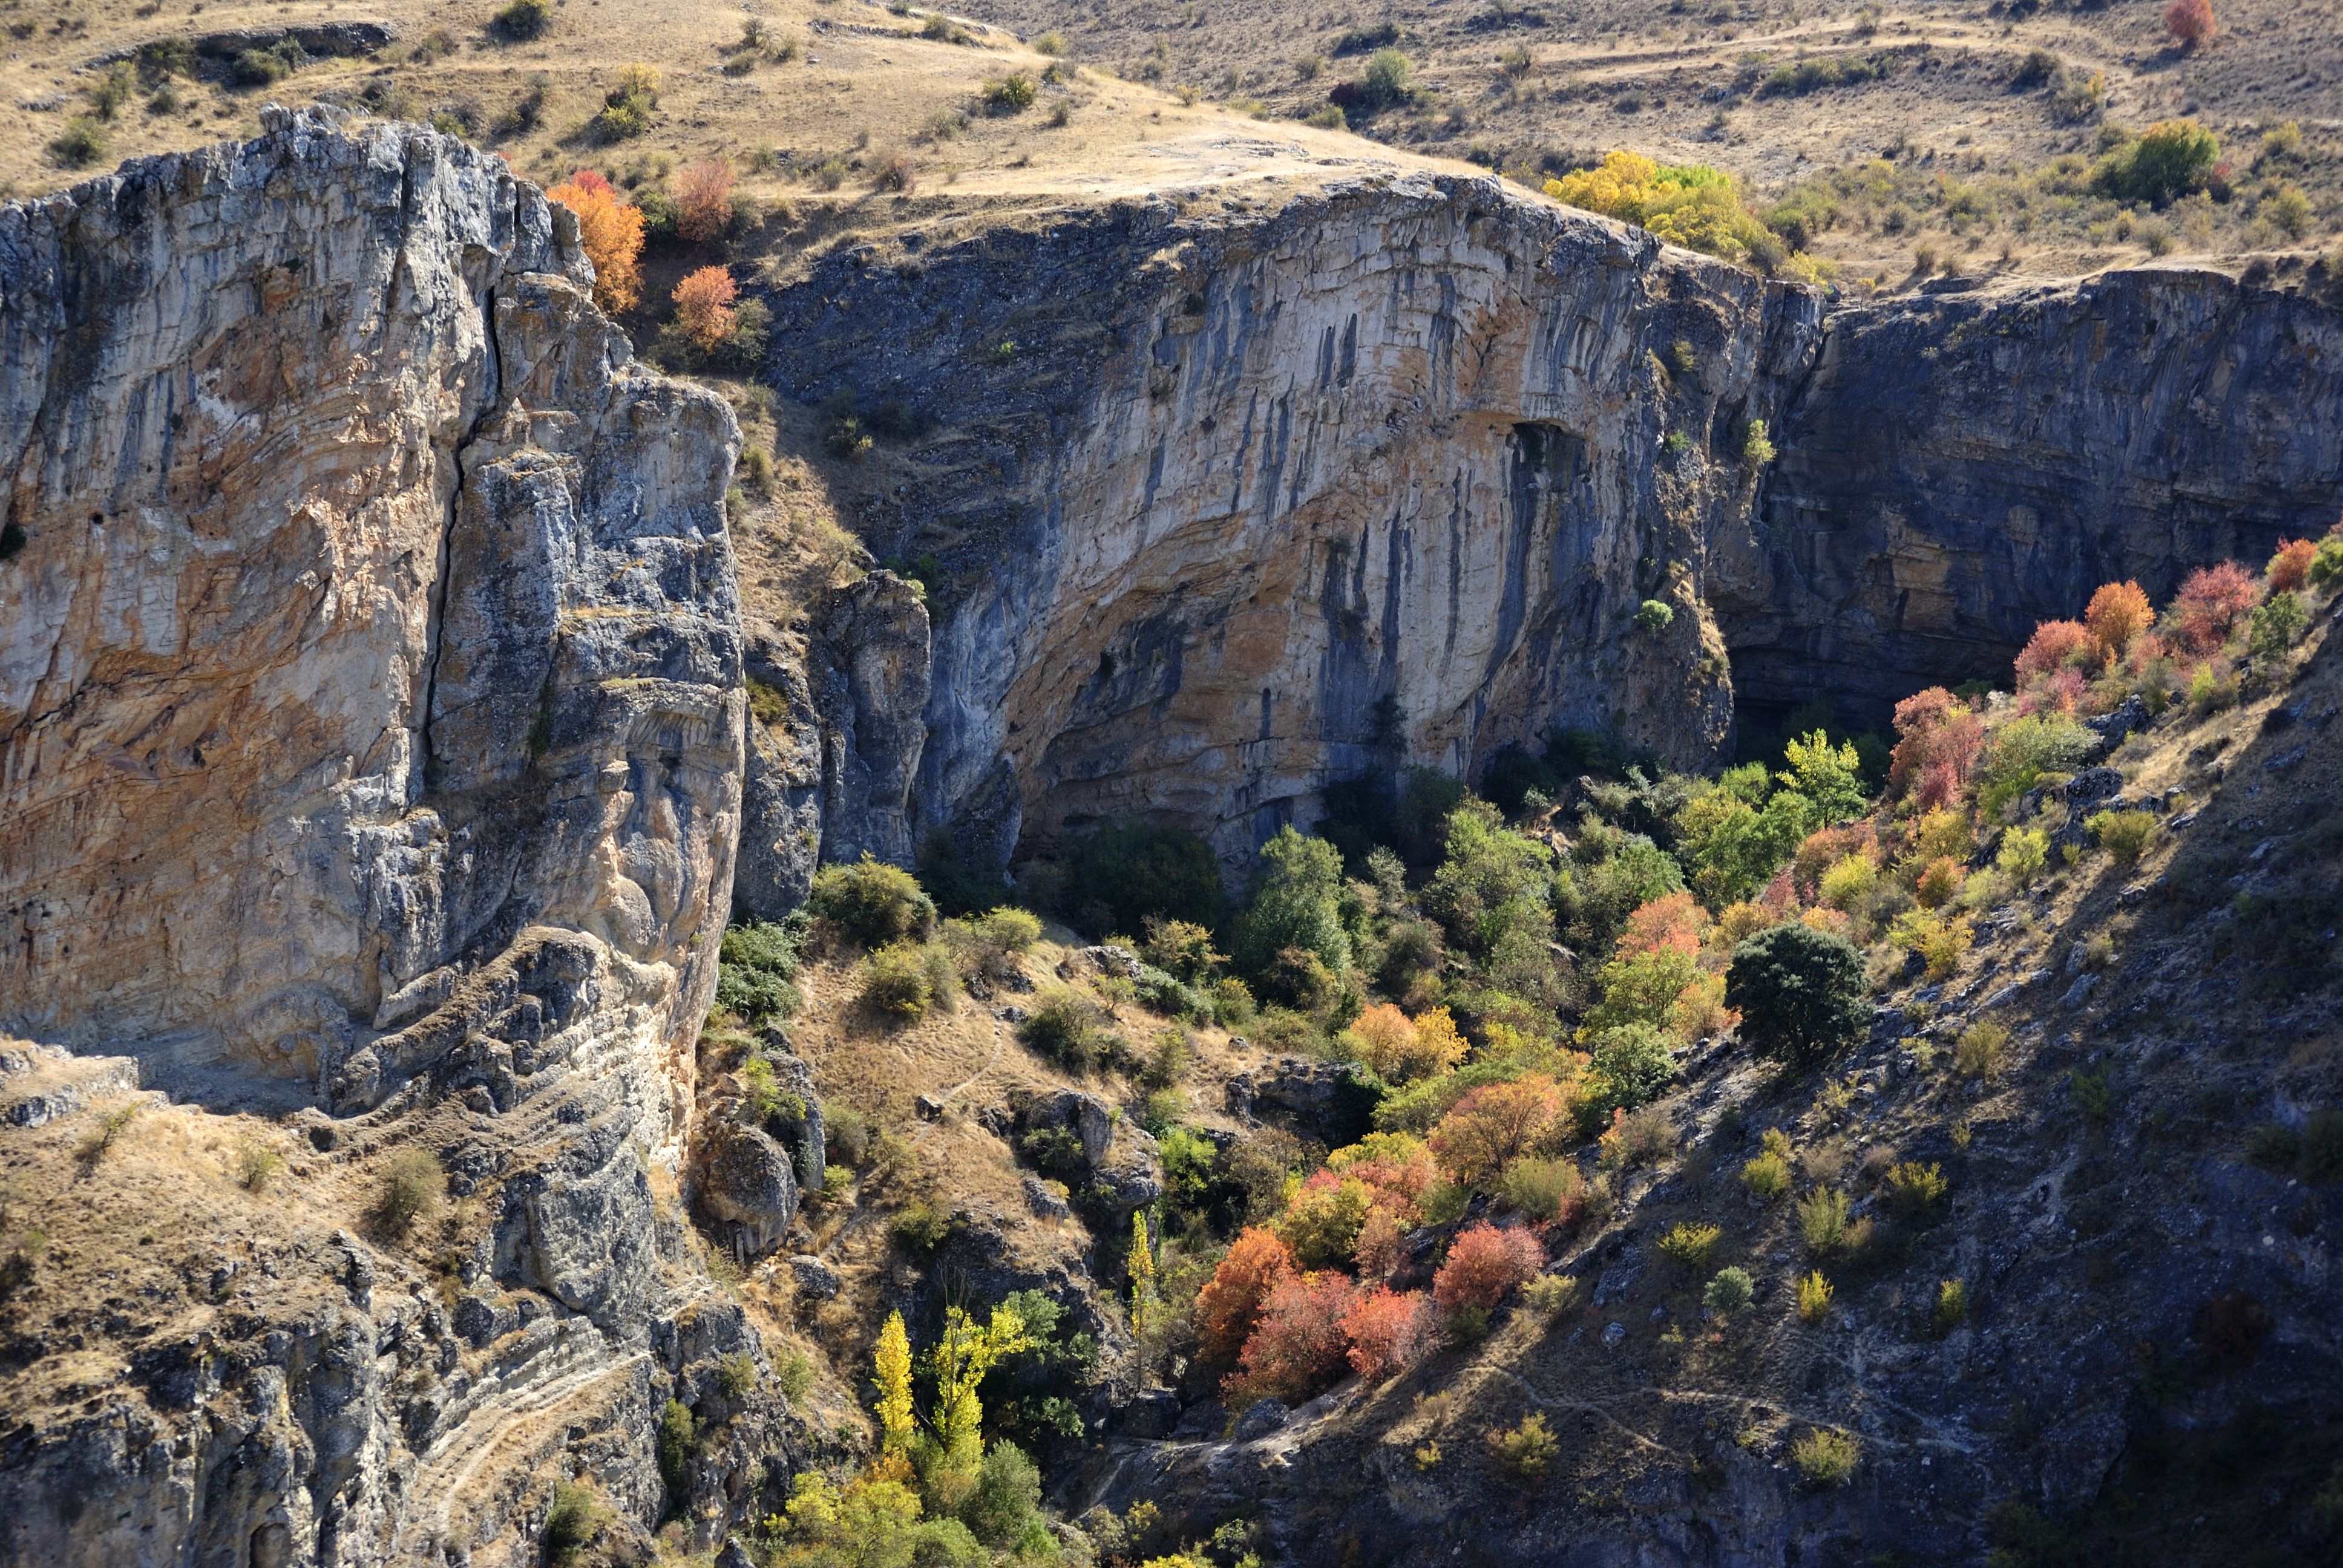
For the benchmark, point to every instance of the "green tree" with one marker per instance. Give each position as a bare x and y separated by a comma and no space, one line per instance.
1799,992
1829,777
1120,875
1493,883
1296,903
872,903
968,1351
1630,1065
2171,158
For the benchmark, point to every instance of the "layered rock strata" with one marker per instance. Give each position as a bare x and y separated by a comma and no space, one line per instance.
370,736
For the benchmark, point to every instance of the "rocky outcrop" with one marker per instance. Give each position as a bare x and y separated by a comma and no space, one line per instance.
1226,507
370,736
1960,466
836,748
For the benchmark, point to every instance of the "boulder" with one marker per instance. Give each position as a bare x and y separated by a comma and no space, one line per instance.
748,1185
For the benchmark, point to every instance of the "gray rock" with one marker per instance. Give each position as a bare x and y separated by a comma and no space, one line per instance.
814,1278
1155,1413
1265,1417
1614,1334
750,1185
734,1555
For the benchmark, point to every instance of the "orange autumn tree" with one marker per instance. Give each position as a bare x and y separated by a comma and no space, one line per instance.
1229,1306
703,306
2118,612
611,230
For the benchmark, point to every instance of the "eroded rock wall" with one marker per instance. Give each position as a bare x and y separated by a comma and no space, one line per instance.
1222,509
370,739
1961,465
373,642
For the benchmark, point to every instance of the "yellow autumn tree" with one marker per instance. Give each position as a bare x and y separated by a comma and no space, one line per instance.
611,230
893,1365
966,1353
1142,1278
1690,204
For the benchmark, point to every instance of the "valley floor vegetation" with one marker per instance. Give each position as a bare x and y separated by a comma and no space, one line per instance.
1505,990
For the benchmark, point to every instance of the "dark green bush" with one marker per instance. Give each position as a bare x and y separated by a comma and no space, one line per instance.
1064,1028
575,1522
679,1432
1800,993
522,20
871,903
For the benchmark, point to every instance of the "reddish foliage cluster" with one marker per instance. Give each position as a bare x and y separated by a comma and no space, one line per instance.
1674,923
2290,568
2052,644
1493,1124
1383,1246
1389,1331
1482,1265
703,199
1395,1166
1299,1348
1231,1302
1938,884
703,305
2212,601
2191,22
1937,749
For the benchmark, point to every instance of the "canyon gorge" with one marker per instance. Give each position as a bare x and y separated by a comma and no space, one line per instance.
386,738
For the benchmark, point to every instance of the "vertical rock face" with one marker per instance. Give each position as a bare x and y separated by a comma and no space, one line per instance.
371,706
1229,508
1960,467
369,671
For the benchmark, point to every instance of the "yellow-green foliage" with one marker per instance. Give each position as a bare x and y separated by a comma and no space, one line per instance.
1526,1451
1143,1305
1849,883
1689,204
1952,1304
1912,1188
1689,1243
1815,1294
960,1360
2024,851
1822,1219
1978,1051
2123,834
1941,940
1825,1458
1768,1176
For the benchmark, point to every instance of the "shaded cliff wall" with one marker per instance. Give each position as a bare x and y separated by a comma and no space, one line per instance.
1961,465
1225,508
370,735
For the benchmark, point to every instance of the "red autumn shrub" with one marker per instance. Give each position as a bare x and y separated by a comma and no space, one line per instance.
703,305
703,199
2211,603
1482,1265
2054,642
2117,613
1397,1168
1229,1306
2060,691
2290,568
1674,923
1937,749
1389,1331
1493,1125
2191,22
1299,1348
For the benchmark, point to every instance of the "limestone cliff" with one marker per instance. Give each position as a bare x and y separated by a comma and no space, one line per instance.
370,736
1222,508
1961,465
